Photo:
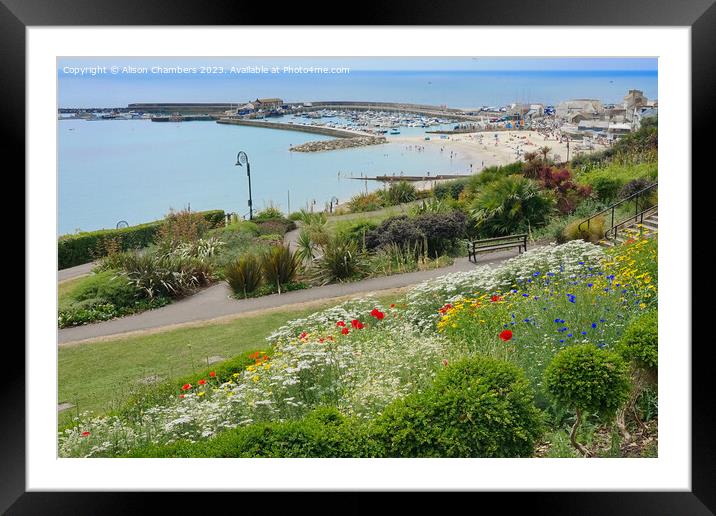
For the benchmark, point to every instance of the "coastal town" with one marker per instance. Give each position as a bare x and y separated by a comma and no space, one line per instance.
572,126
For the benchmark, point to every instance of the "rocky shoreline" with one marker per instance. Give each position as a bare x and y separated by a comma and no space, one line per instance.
339,143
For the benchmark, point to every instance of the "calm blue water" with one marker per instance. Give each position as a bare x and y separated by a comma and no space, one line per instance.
136,170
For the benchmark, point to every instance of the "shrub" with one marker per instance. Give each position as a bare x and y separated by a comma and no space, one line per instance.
594,233
268,213
399,230
107,287
280,266
640,342
279,226
442,230
84,247
166,275
365,202
477,407
355,230
181,227
324,433
511,205
305,247
340,261
449,189
585,378
244,275
399,193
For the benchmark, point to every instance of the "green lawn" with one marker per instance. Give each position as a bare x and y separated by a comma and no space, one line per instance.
66,287
98,376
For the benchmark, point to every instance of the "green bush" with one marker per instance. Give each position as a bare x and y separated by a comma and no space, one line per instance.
244,275
268,213
477,407
324,432
365,202
166,275
83,247
589,379
340,260
109,286
398,193
450,189
640,341
280,266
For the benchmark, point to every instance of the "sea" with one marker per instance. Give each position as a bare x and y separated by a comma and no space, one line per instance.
135,171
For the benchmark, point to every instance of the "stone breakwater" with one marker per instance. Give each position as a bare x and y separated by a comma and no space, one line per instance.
341,143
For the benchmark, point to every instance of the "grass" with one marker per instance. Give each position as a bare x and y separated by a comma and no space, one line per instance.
64,289
99,376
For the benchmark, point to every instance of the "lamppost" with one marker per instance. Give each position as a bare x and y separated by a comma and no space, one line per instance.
242,159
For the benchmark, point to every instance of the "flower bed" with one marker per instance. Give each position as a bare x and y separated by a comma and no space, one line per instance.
361,357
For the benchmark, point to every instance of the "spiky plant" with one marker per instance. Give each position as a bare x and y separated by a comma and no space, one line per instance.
341,260
280,266
244,275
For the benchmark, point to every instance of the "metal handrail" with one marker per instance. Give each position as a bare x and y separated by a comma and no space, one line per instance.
613,207
636,219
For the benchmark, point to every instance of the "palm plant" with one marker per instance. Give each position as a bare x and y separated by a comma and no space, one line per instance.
280,266
510,205
305,247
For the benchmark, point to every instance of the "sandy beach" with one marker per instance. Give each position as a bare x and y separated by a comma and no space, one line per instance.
486,149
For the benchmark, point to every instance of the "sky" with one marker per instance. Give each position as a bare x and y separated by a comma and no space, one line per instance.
456,81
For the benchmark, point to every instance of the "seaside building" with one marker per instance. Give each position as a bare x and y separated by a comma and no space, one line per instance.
577,110
270,104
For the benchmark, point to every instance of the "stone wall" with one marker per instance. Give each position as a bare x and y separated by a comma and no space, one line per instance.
343,143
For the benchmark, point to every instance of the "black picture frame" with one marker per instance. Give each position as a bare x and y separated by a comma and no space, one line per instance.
699,15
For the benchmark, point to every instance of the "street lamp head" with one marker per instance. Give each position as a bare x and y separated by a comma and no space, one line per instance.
241,159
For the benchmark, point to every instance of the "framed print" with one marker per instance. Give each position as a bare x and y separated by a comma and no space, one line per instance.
419,252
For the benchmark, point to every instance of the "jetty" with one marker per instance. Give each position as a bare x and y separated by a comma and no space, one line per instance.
390,179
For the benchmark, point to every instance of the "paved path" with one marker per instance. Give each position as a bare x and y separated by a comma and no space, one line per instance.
214,302
75,272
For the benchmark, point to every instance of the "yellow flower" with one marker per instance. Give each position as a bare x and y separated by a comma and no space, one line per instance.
255,378
201,393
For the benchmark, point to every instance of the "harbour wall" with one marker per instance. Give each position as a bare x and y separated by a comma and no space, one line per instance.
327,131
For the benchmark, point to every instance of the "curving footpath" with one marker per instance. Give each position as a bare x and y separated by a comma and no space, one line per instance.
215,302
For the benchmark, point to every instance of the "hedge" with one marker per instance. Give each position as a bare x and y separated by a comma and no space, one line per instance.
82,247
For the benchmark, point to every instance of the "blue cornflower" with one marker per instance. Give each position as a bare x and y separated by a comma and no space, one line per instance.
590,285
569,335
561,340
581,263
584,333
601,321
536,274
527,320
525,295
594,325
556,320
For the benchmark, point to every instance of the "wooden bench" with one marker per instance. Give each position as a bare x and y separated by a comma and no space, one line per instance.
495,244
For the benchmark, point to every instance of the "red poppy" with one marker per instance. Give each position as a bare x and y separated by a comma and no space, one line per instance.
445,308
254,355
321,340
181,396
340,323
186,387
506,335
212,374
495,299
392,305
345,331
377,314
265,357
85,434
357,324
303,335
202,382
